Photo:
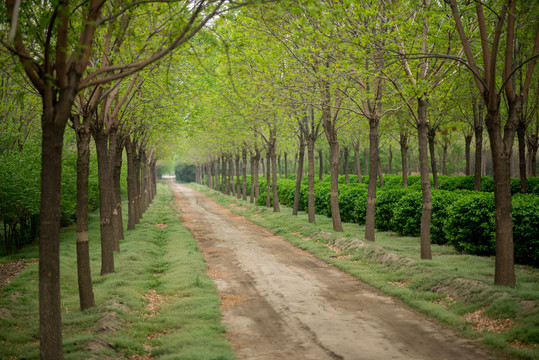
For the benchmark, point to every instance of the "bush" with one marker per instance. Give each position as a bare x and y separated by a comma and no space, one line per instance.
348,195
441,202
470,224
386,200
526,229
407,214
322,198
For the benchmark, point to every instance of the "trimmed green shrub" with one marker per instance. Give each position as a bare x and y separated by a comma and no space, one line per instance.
526,229
322,198
470,224
441,201
407,214
348,195
386,201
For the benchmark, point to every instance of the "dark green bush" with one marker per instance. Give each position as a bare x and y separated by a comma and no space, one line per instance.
407,214
470,224
348,195
441,201
322,197
526,229
386,200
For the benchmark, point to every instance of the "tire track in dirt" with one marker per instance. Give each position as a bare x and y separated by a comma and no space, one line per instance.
279,302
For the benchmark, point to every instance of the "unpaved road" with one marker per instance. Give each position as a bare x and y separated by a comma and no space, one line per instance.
280,302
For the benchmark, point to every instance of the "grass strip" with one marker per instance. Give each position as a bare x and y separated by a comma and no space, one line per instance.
159,302
455,289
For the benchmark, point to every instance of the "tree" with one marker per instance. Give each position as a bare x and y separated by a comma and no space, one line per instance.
492,85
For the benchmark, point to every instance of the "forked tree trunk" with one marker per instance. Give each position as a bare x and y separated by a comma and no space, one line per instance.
86,293
371,192
426,213
299,175
403,141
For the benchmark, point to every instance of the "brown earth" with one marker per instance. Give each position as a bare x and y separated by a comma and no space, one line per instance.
280,302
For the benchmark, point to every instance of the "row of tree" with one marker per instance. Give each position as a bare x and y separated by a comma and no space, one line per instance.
354,70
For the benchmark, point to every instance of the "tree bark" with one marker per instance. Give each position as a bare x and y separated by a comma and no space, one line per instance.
299,175
84,274
346,157
357,163
132,192
468,143
533,145
390,160
321,159
426,213
106,201
286,165
238,179
274,179
371,192
310,158
268,180
117,217
403,141
252,195
244,174
478,132
431,135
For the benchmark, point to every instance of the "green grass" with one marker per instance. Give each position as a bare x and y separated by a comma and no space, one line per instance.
186,326
445,288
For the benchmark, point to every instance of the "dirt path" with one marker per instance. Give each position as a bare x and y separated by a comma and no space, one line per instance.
280,302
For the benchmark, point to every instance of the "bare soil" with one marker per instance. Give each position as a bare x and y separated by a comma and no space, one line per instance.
280,302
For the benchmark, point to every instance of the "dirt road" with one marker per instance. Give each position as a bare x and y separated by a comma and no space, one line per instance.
280,302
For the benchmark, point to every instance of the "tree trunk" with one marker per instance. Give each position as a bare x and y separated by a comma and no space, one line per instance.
117,217
366,156
311,138
238,179
252,195
299,175
346,157
86,293
426,213
285,165
230,176
468,143
225,185
478,132
274,179
209,182
357,162
244,174
533,145
217,174
371,192
444,158
132,193
106,202
321,159
50,322
501,147
390,160
521,134
431,135
257,168
268,180
404,157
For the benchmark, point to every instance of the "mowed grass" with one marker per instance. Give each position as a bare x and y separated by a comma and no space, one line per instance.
158,302
455,289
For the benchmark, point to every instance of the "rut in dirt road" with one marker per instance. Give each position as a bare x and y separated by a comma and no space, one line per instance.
280,302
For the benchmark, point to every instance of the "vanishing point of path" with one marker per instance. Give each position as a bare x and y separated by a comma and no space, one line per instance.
280,302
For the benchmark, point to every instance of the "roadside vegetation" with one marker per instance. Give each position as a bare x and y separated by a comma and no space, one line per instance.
159,300
453,288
